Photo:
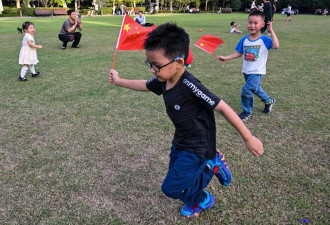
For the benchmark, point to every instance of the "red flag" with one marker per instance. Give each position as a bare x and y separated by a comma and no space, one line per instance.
132,35
209,43
190,57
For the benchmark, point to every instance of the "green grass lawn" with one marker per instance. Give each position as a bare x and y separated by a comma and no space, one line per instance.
75,150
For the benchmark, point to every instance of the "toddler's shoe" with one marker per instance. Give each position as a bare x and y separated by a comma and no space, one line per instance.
194,211
22,78
244,117
35,74
220,168
269,106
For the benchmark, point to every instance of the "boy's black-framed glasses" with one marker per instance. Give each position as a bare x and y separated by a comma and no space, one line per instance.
157,68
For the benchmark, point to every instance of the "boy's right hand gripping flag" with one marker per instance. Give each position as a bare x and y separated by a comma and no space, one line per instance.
209,43
132,35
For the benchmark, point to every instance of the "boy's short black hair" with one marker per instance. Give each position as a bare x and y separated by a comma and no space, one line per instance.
232,23
257,13
69,12
170,38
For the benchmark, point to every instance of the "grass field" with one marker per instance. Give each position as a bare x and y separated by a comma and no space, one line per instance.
74,150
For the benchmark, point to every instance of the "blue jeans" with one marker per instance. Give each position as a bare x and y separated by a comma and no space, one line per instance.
186,177
252,86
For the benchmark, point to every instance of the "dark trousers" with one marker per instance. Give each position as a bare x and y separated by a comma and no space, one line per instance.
265,27
186,177
65,38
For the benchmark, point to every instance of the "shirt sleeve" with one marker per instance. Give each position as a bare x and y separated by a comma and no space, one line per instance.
29,38
239,46
155,86
201,93
267,41
67,25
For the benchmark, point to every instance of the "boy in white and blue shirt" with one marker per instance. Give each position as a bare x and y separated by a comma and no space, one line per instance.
254,48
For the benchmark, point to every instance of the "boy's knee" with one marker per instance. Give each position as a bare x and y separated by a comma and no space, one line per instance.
166,190
78,34
169,192
247,92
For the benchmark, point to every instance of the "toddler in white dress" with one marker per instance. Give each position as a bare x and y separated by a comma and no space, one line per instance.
28,54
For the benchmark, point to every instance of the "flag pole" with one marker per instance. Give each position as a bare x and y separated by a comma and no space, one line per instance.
217,58
214,56
114,57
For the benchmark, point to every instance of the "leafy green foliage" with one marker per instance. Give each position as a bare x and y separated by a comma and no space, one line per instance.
236,4
304,6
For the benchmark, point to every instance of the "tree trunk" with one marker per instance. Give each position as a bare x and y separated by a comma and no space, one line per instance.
157,3
206,5
75,5
18,4
1,7
64,4
171,7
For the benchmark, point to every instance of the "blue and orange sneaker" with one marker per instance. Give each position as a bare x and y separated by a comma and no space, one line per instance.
220,168
194,211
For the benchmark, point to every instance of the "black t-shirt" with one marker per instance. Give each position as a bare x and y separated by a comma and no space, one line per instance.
268,11
273,8
190,106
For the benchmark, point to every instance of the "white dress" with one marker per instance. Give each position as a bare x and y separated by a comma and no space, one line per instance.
28,55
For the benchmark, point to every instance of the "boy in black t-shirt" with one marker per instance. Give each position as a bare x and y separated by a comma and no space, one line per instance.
194,158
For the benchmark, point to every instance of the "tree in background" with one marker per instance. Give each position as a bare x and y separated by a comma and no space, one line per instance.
304,6
236,4
224,3
206,1
1,7
194,3
26,3
157,3
128,3
44,2
62,3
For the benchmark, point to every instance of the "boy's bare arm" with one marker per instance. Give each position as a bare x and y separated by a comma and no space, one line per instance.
276,43
252,143
228,57
138,85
